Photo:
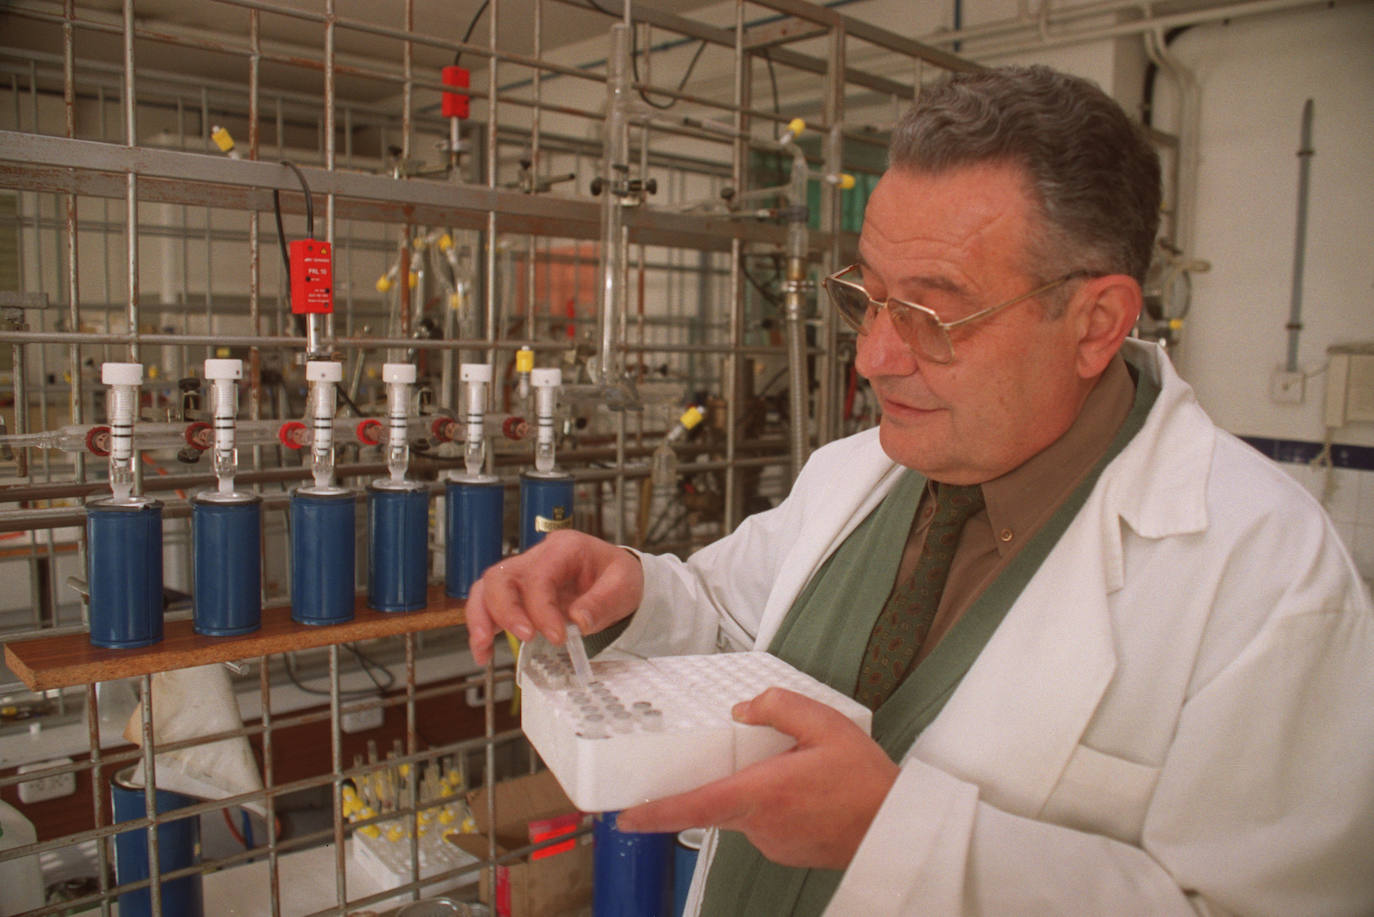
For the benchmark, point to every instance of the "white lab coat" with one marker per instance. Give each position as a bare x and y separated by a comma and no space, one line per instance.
1176,715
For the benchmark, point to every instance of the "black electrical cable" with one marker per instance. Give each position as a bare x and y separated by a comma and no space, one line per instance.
634,67
634,60
309,198
309,216
343,396
471,25
368,664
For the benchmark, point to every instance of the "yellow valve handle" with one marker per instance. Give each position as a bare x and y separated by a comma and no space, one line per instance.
222,139
691,417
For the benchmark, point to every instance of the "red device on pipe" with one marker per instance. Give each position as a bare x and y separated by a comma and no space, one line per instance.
312,277
455,104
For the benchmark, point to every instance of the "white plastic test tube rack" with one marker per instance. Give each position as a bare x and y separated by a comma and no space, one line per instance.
643,729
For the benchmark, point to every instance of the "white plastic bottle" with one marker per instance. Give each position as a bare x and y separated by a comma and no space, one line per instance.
21,879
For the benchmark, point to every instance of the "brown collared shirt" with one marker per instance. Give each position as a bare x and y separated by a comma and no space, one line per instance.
1019,502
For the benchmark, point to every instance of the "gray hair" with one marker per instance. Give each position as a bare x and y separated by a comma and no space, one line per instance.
1091,169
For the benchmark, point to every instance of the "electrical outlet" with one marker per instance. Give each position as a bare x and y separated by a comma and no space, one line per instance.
362,720
49,787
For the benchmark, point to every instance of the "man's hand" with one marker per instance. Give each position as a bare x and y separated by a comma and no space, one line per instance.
569,576
809,806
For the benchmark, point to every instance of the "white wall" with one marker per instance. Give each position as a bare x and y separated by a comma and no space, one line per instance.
1254,77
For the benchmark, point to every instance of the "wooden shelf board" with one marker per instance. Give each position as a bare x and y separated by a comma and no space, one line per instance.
70,659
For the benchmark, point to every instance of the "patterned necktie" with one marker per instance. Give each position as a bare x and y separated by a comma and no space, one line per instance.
906,618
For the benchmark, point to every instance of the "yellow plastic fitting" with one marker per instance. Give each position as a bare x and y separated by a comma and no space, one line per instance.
383,283
395,833
846,181
445,242
691,417
414,278
222,139
524,360
796,126
371,831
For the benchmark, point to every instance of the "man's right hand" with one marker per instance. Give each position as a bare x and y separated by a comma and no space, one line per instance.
569,576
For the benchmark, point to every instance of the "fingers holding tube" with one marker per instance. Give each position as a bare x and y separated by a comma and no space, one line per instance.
567,576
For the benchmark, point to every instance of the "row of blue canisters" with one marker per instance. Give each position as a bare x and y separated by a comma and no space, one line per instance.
125,531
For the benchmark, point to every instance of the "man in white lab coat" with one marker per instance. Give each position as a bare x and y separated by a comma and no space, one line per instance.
1144,684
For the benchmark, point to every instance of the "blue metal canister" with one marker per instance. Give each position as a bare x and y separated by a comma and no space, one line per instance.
178,846
226,547
473,530
546,505
124,569
685,853
322,545
632,873
398,545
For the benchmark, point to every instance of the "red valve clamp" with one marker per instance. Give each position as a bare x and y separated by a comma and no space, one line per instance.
200,435
369,432
98,441
292,434
442,428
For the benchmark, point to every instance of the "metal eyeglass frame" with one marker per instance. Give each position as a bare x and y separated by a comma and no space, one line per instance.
927,313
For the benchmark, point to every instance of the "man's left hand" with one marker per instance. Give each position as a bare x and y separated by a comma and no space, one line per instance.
809,806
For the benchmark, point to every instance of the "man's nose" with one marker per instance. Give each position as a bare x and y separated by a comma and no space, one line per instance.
881,351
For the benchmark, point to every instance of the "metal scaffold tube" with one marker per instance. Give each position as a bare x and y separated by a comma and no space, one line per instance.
695,374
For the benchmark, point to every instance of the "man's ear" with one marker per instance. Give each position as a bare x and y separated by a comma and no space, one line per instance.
1104,310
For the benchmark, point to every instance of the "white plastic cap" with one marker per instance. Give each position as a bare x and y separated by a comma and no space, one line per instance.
398,372
224,369
323,371
121,373
546,378
475,372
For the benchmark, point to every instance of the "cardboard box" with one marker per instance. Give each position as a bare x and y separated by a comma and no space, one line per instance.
542,884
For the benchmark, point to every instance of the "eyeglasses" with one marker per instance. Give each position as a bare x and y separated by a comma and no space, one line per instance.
918,326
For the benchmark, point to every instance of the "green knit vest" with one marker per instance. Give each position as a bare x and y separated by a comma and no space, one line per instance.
824,634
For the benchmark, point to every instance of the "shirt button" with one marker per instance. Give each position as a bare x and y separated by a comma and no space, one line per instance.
1006,534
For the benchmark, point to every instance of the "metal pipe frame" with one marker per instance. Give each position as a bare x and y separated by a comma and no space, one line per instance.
492,208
